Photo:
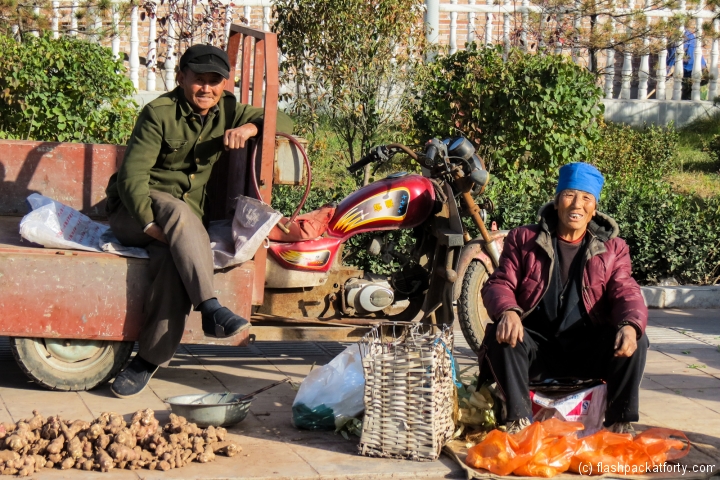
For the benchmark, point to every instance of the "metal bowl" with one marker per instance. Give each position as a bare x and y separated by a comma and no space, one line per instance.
216,409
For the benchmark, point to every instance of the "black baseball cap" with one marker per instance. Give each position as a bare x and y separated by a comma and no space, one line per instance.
206,59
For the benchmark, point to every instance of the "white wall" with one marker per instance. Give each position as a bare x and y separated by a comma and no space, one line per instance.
656,112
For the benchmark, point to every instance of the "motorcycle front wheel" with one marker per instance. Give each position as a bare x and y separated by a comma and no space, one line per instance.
472,314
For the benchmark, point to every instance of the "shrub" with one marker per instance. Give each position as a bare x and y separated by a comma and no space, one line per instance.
532,111
712,148
625,153
64,90
519,195
669,234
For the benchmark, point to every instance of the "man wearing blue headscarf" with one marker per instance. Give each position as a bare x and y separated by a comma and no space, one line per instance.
565,306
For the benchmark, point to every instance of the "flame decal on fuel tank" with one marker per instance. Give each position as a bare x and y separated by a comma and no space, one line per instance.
391,205
316,259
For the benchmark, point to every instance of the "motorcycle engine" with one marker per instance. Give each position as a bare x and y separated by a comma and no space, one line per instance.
369,294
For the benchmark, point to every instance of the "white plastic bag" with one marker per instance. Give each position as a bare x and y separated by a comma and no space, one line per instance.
331,394
54,225
236,243
585,406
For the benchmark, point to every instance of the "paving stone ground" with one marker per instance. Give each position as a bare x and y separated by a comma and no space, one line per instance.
681,389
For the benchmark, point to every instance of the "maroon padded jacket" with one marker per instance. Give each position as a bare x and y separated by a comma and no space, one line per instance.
609,293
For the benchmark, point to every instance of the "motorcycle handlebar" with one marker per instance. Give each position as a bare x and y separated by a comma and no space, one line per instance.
360,163
380,153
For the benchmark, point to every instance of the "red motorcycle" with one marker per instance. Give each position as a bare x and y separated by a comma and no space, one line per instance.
305,278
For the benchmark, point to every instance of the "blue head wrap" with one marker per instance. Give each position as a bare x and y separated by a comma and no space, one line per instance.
580,176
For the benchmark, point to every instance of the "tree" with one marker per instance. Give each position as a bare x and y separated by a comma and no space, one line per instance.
593,26
351,60
17,18
588,28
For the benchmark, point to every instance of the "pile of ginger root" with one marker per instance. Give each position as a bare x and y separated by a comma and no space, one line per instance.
108,442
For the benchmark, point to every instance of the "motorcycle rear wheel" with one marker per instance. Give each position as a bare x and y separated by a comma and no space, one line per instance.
471,312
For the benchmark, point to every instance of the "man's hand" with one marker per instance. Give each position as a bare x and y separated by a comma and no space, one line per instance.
156,232
236,137
510,329
625,341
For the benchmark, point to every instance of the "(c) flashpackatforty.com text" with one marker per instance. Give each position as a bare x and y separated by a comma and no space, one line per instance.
599,468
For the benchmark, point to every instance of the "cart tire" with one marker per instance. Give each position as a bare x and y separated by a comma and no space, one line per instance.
70,365
471,310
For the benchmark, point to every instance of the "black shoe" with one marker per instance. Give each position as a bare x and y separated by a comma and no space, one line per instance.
134,378
223,323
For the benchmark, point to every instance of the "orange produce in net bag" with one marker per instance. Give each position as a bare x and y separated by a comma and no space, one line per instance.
551,447
554,454
542,450
593,449
496,454
661,447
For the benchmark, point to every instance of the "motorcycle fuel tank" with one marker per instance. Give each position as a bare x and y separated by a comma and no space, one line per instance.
398,201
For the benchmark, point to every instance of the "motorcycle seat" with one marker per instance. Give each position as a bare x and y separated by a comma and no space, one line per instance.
308,226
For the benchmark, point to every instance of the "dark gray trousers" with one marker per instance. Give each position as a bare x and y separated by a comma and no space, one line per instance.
590,357
181,272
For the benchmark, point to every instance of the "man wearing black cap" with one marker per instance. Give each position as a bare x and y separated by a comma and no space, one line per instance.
156,200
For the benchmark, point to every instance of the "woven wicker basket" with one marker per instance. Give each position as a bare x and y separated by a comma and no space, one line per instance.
409,392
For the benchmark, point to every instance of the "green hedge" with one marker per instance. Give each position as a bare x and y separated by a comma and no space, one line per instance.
63,90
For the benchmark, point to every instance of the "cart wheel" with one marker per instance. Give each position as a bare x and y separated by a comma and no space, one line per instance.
471,311
70,365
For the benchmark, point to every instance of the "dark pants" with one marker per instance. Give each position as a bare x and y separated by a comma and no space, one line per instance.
591,357
181,272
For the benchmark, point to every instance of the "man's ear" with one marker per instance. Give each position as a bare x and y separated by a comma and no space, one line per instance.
180,78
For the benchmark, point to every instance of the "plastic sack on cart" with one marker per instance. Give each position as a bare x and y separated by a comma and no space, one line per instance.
234,242
545,449
54,225
586,406
331,394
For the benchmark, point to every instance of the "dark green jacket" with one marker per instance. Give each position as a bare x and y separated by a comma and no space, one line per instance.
171,150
